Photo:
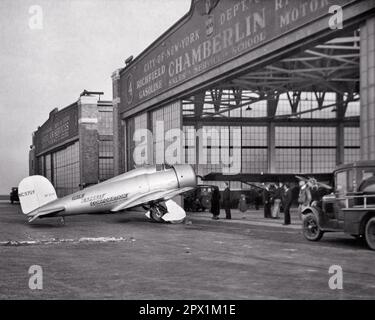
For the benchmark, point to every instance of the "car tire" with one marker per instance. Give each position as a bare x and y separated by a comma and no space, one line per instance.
370,233
310,227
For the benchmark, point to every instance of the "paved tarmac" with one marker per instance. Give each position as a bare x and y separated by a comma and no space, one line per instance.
124,256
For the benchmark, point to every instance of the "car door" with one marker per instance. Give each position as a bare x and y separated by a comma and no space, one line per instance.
341,190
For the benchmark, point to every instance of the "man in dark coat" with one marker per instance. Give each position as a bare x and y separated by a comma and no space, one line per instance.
267,201
215,203
287,202
257,200
226,201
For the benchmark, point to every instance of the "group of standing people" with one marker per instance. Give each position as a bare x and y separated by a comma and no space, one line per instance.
275,196
215,202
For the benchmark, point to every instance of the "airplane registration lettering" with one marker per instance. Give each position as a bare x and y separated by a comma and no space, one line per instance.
48,195
109,200
26,193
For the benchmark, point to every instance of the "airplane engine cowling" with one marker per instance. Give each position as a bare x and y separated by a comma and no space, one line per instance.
185,175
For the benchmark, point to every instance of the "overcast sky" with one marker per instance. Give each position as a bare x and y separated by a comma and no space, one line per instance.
81,43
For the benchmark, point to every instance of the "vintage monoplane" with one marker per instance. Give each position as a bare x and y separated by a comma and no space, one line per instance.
151,187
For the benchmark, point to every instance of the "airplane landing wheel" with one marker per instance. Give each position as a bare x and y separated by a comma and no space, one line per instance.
370,233
157,212
311,230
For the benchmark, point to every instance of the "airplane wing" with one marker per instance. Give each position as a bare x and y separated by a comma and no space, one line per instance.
38,213
266,177
159,195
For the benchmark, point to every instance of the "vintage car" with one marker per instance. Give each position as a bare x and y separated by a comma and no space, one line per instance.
199,199
350,208
13,196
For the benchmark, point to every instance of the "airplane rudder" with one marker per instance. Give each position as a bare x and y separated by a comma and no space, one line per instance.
34,192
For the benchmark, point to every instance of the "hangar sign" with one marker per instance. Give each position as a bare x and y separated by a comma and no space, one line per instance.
59,128
216,31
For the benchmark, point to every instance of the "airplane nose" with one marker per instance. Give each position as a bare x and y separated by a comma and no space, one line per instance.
185,175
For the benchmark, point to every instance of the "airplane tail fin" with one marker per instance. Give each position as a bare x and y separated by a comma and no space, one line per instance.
34,192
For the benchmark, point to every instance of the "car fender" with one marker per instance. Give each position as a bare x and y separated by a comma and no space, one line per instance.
314,210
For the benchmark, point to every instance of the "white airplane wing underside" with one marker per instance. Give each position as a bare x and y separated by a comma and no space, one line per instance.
174,212
144,198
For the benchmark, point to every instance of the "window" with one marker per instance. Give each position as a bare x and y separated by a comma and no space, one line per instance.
105,160
105,168
341,182
106,149
254,110
323,160
40,167
247,147
66,174
353,109
189,144
352,144
132,125
254,149
105,121
48,168
170,118
254,160
308,105
305,149
220,103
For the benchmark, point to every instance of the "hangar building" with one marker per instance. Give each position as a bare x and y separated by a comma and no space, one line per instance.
288,86
74,147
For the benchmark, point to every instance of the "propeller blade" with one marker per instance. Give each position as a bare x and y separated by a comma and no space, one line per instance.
302,178
323,185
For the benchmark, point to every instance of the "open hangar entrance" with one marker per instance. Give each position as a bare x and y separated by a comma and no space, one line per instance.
303,99
299,114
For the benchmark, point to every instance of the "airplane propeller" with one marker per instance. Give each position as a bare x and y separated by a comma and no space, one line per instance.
314,181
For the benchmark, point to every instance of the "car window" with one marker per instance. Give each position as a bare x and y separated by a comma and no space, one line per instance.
341,182
351,181
368,173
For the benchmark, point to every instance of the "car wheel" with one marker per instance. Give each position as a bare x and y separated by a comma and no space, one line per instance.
370,233
310,228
